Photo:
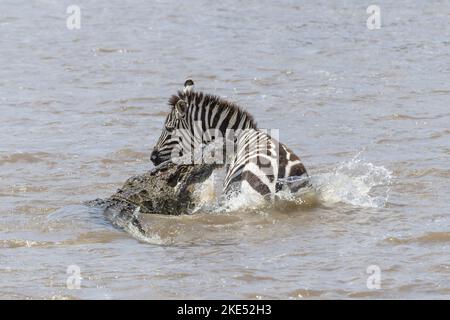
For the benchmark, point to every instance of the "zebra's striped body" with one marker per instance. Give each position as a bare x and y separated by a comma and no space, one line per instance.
264,163
258,159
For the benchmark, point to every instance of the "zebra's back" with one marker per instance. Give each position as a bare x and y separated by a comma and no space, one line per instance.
264,163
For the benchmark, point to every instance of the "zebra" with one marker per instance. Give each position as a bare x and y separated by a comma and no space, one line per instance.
258,159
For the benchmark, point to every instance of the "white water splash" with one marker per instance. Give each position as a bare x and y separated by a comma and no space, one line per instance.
355,182
210,198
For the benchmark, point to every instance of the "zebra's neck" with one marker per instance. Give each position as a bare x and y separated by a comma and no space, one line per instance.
212,112
209,118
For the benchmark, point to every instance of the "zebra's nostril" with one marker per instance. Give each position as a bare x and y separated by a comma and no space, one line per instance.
154,157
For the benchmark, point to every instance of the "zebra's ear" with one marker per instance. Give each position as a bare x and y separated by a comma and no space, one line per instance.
180,109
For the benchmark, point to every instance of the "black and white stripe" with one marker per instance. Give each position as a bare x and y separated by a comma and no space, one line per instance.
264,163
259,160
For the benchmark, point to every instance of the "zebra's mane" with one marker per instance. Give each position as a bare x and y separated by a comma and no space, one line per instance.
216,101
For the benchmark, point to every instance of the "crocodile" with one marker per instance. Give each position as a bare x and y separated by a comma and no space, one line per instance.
167,189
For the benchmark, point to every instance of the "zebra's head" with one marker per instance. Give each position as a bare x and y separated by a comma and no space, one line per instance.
196,119
169,142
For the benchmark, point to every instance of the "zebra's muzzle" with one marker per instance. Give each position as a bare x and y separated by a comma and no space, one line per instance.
154,157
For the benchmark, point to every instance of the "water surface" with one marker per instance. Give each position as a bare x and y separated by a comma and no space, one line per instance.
367,111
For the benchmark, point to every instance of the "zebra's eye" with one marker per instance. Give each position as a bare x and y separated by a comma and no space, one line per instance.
169,127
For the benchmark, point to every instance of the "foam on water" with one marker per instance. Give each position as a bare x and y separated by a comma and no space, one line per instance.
355,182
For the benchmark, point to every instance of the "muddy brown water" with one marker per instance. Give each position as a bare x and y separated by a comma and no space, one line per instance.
368,112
